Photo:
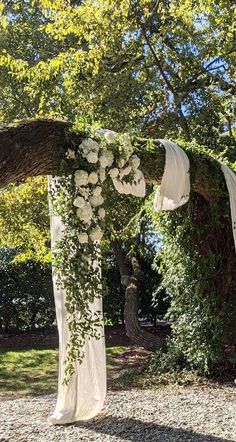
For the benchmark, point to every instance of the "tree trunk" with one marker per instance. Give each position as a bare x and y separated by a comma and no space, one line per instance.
130,277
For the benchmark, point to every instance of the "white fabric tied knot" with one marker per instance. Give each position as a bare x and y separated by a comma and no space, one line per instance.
175,185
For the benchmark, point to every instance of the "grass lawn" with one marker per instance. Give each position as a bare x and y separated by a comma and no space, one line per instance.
33,372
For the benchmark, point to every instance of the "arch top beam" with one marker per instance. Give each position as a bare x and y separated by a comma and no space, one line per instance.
33,147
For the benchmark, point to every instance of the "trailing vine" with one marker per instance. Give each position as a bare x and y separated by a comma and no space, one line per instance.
198,268
197,244
78,198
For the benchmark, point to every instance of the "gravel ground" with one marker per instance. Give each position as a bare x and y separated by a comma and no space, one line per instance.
167,415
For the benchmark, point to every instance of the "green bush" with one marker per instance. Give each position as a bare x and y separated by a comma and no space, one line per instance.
26,295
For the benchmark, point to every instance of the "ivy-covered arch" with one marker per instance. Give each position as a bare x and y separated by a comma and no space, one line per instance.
44,147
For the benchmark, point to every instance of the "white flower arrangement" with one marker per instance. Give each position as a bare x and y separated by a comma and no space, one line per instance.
83,216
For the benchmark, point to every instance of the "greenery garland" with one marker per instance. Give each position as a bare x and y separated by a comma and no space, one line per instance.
78,198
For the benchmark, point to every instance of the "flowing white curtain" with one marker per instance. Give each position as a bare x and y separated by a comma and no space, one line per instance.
84,396
175,185
230,178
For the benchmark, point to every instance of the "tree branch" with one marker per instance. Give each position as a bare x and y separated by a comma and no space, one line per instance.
34,147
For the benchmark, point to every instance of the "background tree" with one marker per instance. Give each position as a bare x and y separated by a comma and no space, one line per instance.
26,294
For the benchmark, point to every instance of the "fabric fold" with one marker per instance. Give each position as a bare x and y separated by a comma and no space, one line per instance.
136,188
175,185
230,179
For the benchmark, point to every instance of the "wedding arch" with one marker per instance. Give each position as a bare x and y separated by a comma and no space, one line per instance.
78,161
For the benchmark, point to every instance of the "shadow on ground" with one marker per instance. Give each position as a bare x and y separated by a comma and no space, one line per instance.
139,431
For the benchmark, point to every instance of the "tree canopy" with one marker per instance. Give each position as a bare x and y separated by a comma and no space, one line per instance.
162,67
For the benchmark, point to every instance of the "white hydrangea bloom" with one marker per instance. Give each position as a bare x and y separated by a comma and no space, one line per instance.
70,154
96,234
89,145
96,201
114,172
97,191
81,178
101,213
79,202
93,178
85,213
83,238
92,157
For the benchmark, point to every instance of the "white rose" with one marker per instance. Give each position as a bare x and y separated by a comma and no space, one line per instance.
102,174
97,191
110,136
135,161
83,238
70,154
114,172
101,213
92,157
81,178
96,201
89,145
93,178
79,202
96,234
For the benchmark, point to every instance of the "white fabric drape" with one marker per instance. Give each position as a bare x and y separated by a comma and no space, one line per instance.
84,396
175,185
230,178
136,188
